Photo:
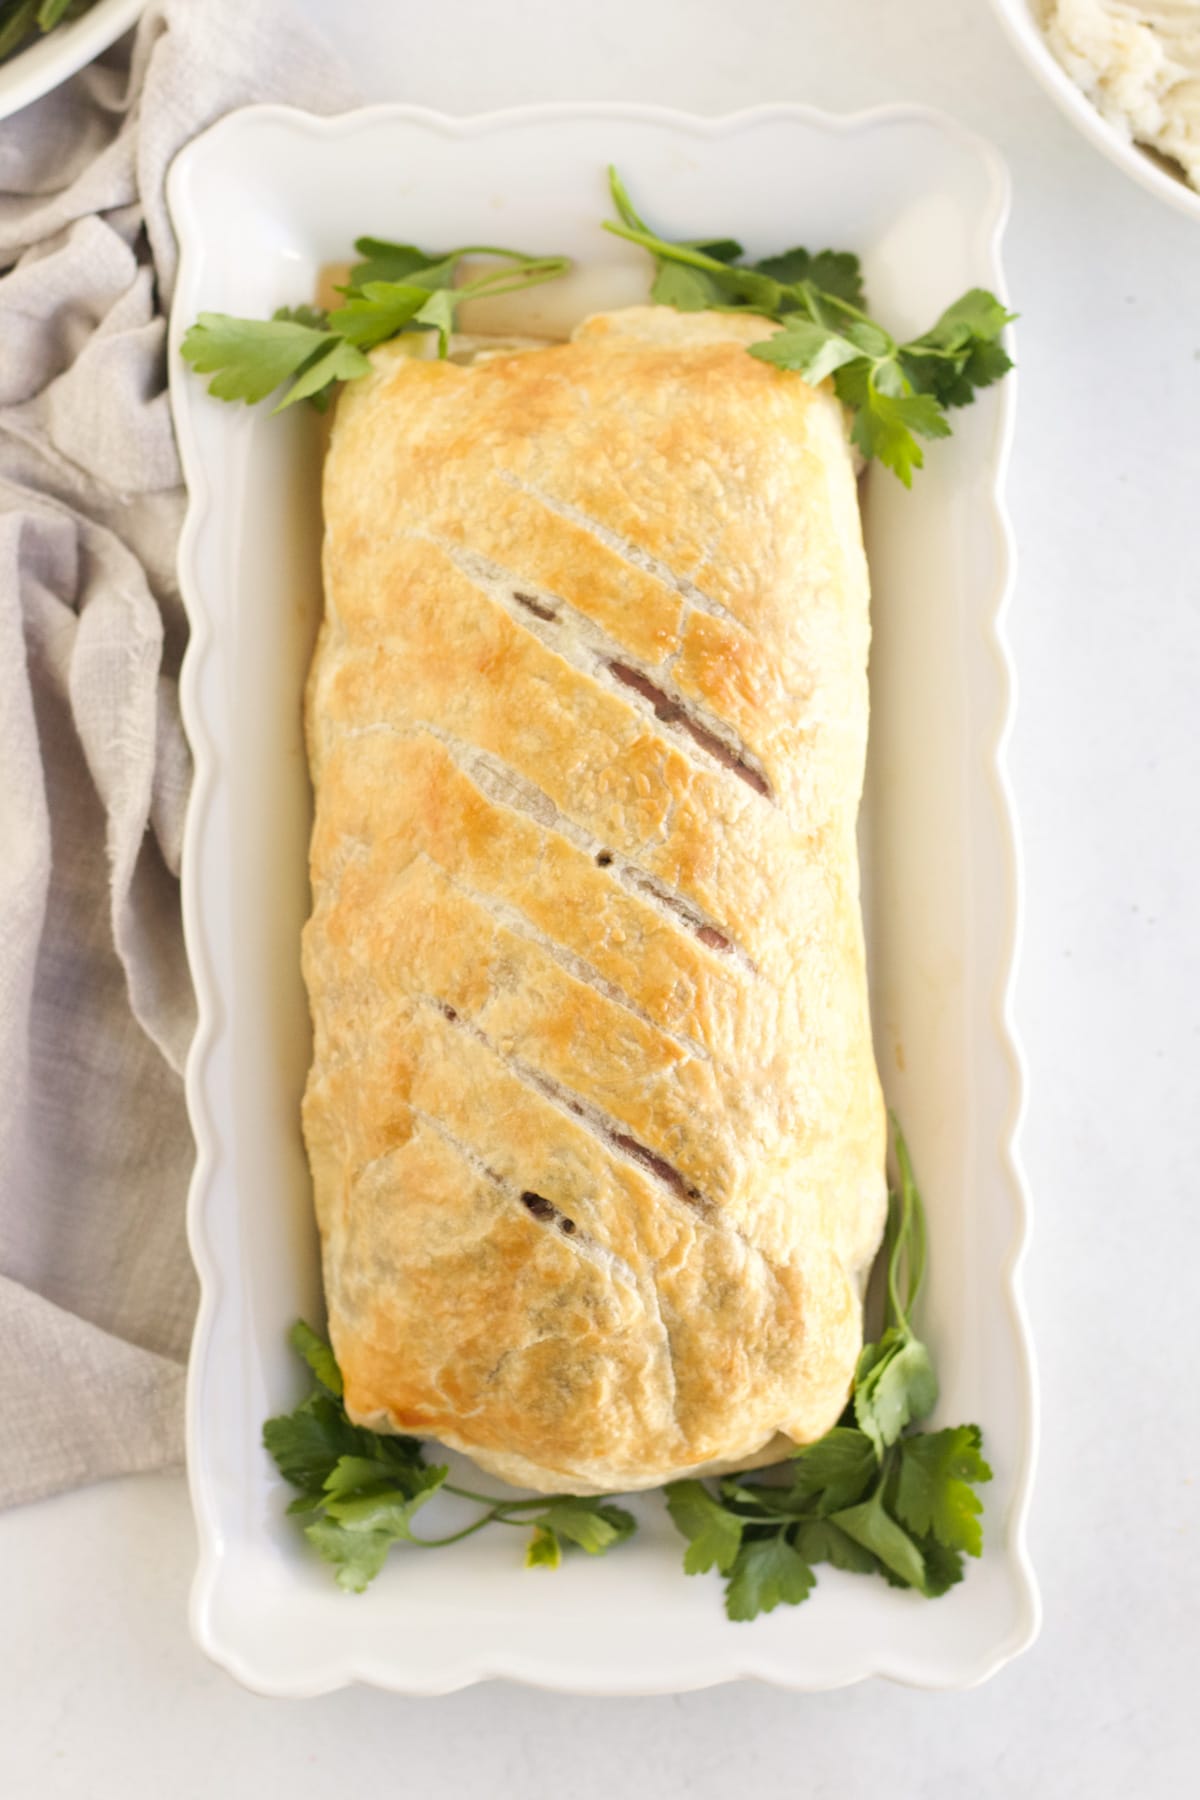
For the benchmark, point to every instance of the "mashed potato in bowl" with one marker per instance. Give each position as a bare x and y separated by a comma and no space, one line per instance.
1138,61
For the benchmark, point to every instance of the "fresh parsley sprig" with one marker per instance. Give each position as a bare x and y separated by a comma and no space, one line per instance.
872,1496
394,288
898,393
359,1490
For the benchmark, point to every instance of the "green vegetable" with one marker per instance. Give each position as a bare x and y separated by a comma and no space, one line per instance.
834,1471
250,358
898,393
359,1491
23,19
543,1551
318,1356
714,1535
768,1572
894,1382
394,288
934,1491
872,1496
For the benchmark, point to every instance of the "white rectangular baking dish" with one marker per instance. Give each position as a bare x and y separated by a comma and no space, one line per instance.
261,202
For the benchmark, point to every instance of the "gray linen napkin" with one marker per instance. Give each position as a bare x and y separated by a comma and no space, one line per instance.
96,1011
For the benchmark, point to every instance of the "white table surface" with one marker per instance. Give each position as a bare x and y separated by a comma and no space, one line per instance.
101,1692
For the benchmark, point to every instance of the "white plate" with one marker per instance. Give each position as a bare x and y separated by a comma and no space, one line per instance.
1020,19
260,203
49,60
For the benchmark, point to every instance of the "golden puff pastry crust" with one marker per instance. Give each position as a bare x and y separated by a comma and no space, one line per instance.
594,1122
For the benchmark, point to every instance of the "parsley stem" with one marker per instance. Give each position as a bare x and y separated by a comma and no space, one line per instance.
455,1537
899,1229
513,256
917,1247
496,1514
909,1244
900,1216
506,1506
680,253
529,274
491,1500
836,301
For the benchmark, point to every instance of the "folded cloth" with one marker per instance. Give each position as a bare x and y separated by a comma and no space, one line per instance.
97,1293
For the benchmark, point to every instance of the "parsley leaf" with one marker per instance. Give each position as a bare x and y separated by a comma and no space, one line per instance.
960,353
754,1500
315,316
894,1384
307,1443
898,393
885,424
813,351
836,1470
437,314
687,290
250,358
823,1541
943,1568
360,1490
872,1526
592,1524
317,1355
366,1502
386,1508
543,1551
352,1475
767,1573
357,1556
378,311
385,261
714,1533
835,272
934,1492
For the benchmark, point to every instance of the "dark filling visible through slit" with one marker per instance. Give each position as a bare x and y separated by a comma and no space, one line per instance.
657,1165
536,607
547,1212
672,713
708,934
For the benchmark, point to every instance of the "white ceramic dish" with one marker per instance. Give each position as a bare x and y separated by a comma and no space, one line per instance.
1020,20
35,70
260,203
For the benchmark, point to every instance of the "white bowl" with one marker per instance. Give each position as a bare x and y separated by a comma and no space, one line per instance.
47,61
1020,21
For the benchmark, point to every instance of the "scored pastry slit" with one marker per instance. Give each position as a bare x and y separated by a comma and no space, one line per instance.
670,711
592,650
607,1125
